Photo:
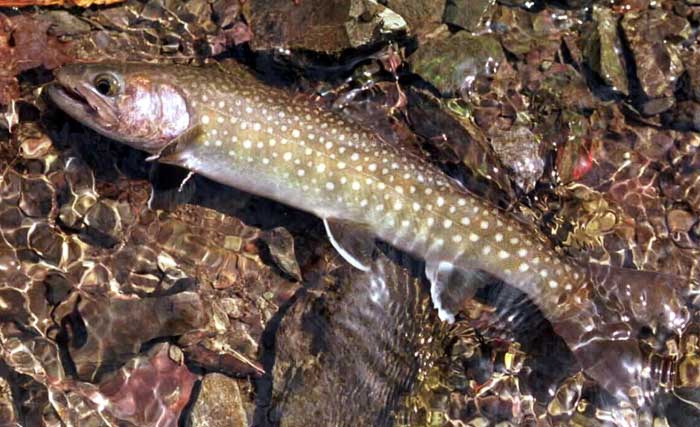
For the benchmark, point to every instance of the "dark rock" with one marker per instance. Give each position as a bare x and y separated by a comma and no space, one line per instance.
346,358
652,36
684,116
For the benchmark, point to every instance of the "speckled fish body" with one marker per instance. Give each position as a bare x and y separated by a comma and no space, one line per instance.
269,142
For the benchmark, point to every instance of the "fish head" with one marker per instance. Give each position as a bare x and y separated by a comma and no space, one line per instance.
140,105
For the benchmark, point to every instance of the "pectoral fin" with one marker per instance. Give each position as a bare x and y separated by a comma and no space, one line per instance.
451,286
169,153
352,241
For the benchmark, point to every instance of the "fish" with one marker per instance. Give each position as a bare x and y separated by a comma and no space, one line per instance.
225,124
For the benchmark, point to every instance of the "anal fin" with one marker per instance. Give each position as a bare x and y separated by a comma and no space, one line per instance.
450,286
352,241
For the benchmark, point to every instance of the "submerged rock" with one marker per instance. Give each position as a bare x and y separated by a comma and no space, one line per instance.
603,50
421,15
452,63
467,14
219,403
326,27
346,354
152,390
657,60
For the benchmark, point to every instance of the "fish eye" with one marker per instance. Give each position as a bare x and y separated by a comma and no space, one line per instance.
106,84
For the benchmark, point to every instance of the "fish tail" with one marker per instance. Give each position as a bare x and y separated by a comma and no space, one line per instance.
603,332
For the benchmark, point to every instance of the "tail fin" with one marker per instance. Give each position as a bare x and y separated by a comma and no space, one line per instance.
642,298
603,335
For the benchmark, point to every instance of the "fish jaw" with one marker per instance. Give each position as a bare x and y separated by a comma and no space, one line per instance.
82,111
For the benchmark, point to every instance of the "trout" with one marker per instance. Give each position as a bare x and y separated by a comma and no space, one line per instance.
224,124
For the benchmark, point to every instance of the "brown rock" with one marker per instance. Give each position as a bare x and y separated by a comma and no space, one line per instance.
219,404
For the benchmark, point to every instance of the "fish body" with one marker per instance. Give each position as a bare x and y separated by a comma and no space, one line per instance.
226,125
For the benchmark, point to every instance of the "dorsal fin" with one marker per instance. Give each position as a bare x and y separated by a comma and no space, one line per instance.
352,241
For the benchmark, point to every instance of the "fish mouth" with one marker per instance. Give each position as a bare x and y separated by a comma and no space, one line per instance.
72,102
85,107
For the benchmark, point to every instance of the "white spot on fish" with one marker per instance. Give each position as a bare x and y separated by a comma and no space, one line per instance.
447,223
524,267
457,238
473,237
553,284
522,253
498,237
301,172
247,143
287,156
503,254
355,185
205,119
484,225
486,250
465,221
